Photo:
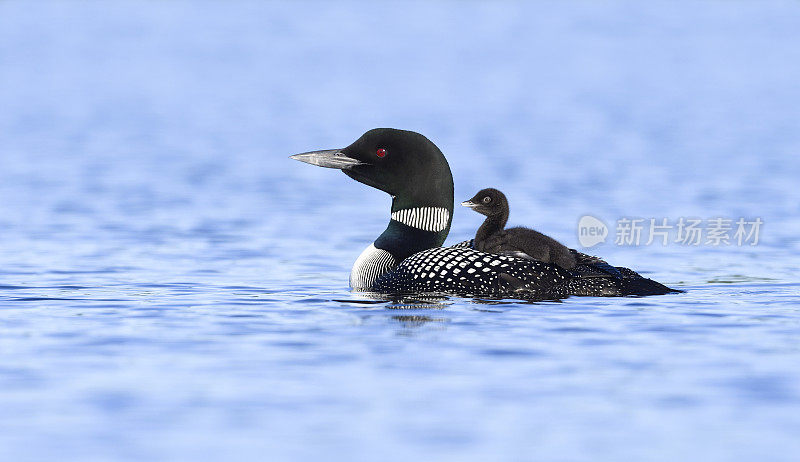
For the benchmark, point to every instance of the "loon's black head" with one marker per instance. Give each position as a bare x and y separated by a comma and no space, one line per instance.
402,163
489,202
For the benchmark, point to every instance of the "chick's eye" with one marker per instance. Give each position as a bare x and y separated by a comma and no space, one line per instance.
380,152
487,199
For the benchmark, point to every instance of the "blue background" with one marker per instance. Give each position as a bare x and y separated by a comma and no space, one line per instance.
170,282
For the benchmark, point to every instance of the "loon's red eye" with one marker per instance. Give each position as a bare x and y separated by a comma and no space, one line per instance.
380,152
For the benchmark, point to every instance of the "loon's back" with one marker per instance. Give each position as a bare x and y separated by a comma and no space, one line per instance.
462,270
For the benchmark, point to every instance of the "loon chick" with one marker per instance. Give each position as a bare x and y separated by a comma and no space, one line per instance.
492,238
408,257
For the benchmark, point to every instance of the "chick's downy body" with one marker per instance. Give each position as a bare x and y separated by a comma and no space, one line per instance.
519,241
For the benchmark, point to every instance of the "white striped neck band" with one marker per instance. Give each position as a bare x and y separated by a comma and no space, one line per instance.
432,219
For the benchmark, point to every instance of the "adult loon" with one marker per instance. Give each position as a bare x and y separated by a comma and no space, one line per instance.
408,258
518,241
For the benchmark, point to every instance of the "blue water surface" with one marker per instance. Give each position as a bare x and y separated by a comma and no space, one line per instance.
173,287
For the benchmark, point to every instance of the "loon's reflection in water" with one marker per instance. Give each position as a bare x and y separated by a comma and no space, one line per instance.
434,301
417,301
400,301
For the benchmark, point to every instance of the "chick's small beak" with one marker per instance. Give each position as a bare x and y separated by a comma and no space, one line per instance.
469,204
330,158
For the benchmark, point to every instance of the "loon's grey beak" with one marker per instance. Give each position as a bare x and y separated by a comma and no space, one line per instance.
469,204
331,158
